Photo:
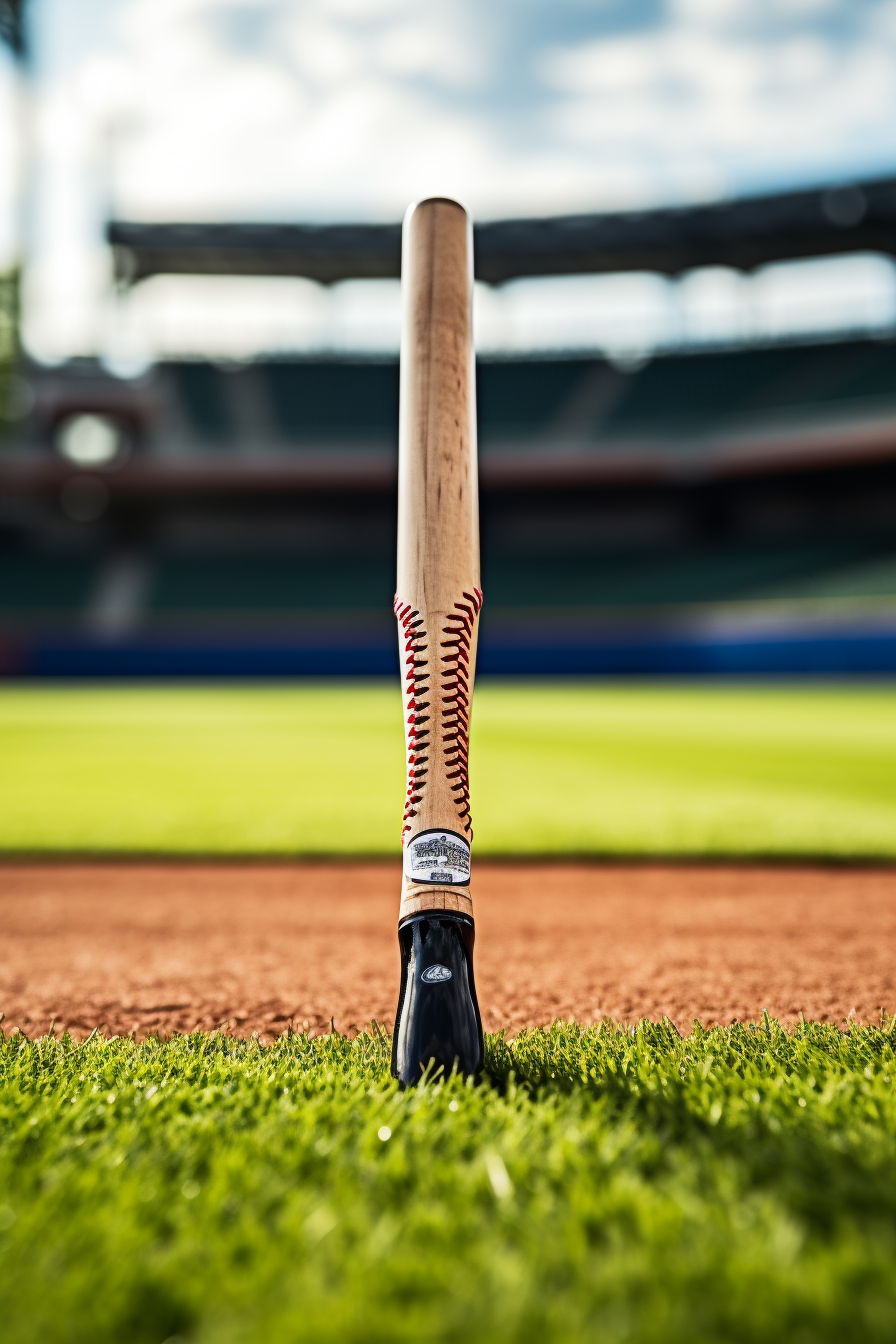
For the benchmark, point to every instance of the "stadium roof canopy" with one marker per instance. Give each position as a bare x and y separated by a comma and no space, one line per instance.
742,234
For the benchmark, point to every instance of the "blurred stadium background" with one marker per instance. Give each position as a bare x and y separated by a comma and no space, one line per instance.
668,487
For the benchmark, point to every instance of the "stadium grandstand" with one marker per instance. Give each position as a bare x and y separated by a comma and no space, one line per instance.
727,511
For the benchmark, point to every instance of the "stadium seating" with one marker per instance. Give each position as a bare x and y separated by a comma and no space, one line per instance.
667,577
46,584
307,562
523,397
315,400
201,394
354,402
247,585
681,392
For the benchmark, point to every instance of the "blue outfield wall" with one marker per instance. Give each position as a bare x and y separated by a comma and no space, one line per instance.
868,650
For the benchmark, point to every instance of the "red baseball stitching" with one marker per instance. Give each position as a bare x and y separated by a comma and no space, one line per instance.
455,688
417,676
456,693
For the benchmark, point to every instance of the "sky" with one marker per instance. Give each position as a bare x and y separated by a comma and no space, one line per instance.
349,109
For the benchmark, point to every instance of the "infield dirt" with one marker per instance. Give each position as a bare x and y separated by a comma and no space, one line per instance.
145,947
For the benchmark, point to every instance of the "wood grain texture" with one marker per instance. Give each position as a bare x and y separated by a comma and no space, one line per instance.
438,587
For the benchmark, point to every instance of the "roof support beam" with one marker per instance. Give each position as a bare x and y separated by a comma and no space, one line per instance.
743,234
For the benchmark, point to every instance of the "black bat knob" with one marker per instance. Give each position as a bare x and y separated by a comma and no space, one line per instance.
437,1022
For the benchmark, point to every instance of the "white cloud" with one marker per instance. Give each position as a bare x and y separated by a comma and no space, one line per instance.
337,106
691,94
882,22
230,109
730,13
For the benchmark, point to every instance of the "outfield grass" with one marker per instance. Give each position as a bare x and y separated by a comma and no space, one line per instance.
738,1185
589,769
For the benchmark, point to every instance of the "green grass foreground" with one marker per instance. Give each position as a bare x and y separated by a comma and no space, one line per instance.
556,769
738,1185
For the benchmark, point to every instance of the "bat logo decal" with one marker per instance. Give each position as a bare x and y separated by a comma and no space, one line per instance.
441,857
435,975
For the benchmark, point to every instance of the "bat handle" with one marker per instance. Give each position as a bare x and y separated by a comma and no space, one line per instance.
438,1023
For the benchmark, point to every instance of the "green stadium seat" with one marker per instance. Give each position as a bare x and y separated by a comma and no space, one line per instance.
729,572
46,584
523,396
270,584
201,391
333,400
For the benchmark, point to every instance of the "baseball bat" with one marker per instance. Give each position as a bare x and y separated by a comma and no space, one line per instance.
437,602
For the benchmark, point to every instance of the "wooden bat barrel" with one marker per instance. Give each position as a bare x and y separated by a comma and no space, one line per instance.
438,595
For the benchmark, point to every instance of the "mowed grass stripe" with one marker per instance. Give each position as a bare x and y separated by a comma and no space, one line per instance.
557,769
739,1184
